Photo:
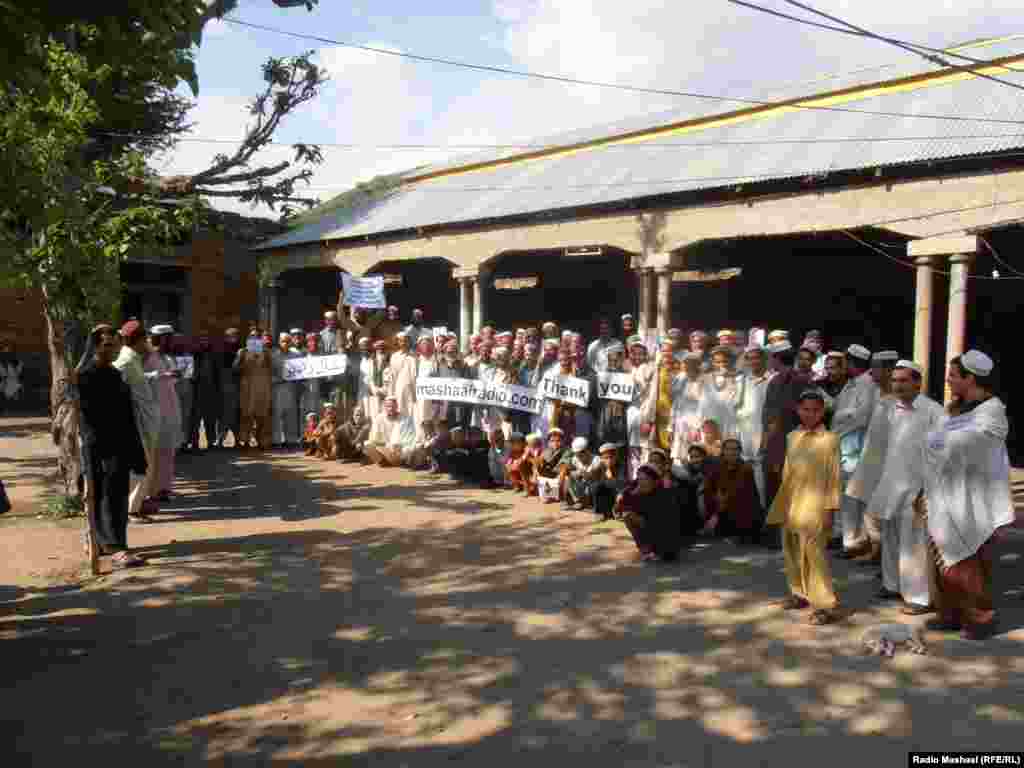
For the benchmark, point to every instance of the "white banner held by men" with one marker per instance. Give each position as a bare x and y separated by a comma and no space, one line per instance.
568,389
615,386
367,292
476,392
314,367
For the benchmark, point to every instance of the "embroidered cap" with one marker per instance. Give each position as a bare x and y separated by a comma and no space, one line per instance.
613,349
579,445
977,362
910,364
608,447
780,346
887,356
161,330
859,352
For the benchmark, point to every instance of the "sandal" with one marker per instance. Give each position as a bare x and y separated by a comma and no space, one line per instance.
821,618
793,603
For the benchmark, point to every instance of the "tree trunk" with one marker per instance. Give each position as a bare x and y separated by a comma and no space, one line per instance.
64,407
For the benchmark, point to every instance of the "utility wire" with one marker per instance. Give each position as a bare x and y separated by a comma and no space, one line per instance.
630,145
619,86
936,55
999,258
903,263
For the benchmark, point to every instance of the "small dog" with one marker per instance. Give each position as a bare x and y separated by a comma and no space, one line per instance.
883,639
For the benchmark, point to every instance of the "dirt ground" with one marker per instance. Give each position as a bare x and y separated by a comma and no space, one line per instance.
297,612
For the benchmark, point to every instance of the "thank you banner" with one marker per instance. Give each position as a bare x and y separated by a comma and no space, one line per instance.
568,389
314,367
476,392
615,386
365,292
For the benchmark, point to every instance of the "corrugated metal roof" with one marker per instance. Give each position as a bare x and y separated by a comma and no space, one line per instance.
706,158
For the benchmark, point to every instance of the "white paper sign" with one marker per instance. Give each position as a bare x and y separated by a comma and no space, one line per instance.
476,392
254,345
185,364
314,367
440,331
365,292
757,336
615,386
568,389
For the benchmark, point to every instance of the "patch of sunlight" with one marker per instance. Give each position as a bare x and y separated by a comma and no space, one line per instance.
542,626
745,560
710,698
293,664
154,602
881,679
561,705
999,713
671,705
972,673
888,717
789,678
735,722
847,694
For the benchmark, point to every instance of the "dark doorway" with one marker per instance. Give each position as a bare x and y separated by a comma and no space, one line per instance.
573,291
425,284
304,296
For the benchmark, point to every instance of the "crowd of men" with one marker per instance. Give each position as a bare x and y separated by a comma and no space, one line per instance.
747,436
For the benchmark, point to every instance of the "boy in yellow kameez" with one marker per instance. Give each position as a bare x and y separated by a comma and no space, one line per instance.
804,506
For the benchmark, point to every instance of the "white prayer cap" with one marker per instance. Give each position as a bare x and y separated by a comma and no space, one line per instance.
579,445
282,336
330,314
296,331
504,335
887,356
364,340
698,335
499,351
859,352
615,348
911,365
566,334
550,344
780,346
697,356
627,316
779,335
977,362
674,333
548,324
401,335
161,330
605,447
835,353
533,437
636,341
310,414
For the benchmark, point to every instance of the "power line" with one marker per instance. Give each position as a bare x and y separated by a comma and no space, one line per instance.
997,257
914,48
619,86
908,264
631,145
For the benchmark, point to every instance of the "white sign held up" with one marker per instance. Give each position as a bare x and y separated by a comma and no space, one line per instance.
314,367
615,386
568,389
186,365
365,292
254,345
476,392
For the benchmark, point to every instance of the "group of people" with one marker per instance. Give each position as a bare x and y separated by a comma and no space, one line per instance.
740,435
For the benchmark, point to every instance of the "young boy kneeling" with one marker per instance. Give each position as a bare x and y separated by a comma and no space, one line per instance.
804,506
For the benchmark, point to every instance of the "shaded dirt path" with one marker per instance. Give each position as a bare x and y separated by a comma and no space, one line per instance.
297,612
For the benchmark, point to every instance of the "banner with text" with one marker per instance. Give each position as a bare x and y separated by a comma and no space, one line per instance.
186,365
365,292
615,386
314,367
568,389
476,392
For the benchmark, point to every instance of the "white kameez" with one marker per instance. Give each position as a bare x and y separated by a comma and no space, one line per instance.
751,393
904,553
967,480
687,399
719,402
425,412
597,358
872,459
403,382
397,434
854,406
310,398
367,399
643,376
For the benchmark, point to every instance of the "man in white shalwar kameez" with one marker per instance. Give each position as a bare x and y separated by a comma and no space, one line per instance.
426,413
853,408
597,357
967,487
751,391
904,539
392,436
147,415
403,375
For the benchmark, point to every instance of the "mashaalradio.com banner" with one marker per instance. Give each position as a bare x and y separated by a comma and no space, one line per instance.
475,392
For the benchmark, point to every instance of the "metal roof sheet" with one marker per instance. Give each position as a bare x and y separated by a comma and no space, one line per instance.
773,147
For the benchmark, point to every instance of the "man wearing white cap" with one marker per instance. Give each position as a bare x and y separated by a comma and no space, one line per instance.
162,371
581,470
854,406
902,424
415,328
597,357
401,368
967,485
752,389
285,396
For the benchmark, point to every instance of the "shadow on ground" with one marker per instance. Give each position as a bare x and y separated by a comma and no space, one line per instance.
489,638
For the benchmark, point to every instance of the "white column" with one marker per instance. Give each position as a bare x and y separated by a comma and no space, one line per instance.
465,311
641,299
664,299
478,305
923,316
959,267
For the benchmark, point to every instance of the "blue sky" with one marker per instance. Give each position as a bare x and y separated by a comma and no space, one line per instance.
705,45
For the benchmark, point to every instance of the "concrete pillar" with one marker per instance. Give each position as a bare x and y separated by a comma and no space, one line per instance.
923,316
664,300
959,267
465,310
641,294
478,304
651,297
